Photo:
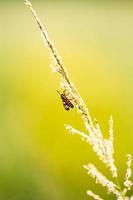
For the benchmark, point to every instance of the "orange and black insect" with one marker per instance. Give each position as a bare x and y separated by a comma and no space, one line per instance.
66,102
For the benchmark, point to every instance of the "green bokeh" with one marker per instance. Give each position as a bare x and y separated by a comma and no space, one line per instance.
39,160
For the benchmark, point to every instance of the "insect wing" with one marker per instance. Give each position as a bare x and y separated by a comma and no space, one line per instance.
66,102
65,106
70,104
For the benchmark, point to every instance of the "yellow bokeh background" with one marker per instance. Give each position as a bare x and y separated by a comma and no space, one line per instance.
39,160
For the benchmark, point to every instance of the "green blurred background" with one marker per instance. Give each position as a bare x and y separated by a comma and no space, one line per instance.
39,160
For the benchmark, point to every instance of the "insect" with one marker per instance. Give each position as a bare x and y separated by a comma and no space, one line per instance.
66,102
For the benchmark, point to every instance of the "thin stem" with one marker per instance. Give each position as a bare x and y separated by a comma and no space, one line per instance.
61,69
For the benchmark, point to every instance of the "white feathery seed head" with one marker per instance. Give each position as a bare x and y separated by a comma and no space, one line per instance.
127,182
93,195
102,180
102,147
27,3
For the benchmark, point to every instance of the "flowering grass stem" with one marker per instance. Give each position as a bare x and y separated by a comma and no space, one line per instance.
103,147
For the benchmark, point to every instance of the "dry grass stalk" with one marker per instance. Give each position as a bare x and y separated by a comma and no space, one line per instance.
101,146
